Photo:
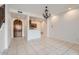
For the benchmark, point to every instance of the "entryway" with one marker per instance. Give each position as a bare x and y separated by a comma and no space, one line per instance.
17,28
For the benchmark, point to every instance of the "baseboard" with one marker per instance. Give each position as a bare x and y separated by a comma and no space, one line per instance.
66,40
2,51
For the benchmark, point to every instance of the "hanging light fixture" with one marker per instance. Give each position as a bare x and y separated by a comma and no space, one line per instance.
46,13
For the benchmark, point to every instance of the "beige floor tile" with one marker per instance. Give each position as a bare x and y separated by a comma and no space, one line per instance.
19,46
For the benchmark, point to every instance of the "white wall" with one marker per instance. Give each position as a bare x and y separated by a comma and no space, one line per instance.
7,27
65,26
2,37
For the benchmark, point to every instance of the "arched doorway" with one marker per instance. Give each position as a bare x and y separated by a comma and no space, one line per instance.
17,28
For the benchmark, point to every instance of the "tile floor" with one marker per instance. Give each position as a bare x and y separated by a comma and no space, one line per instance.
20,46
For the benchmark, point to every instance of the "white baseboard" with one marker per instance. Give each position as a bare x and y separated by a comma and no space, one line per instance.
1,51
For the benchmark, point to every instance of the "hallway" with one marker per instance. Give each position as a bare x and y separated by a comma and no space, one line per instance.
20,46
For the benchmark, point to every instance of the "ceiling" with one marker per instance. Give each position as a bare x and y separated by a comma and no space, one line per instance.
38,9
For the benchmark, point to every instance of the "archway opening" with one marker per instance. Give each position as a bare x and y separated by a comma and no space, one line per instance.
17,28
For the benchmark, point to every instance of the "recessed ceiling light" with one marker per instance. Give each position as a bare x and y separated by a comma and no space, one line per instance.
69,8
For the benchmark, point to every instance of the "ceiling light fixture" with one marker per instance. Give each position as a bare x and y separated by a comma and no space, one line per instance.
19,14
46,13
19,11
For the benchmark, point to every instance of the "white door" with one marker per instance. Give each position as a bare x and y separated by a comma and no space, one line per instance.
44,30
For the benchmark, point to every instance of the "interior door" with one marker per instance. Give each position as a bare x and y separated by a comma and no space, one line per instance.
44,30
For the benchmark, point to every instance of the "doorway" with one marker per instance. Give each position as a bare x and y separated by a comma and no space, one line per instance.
17,28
